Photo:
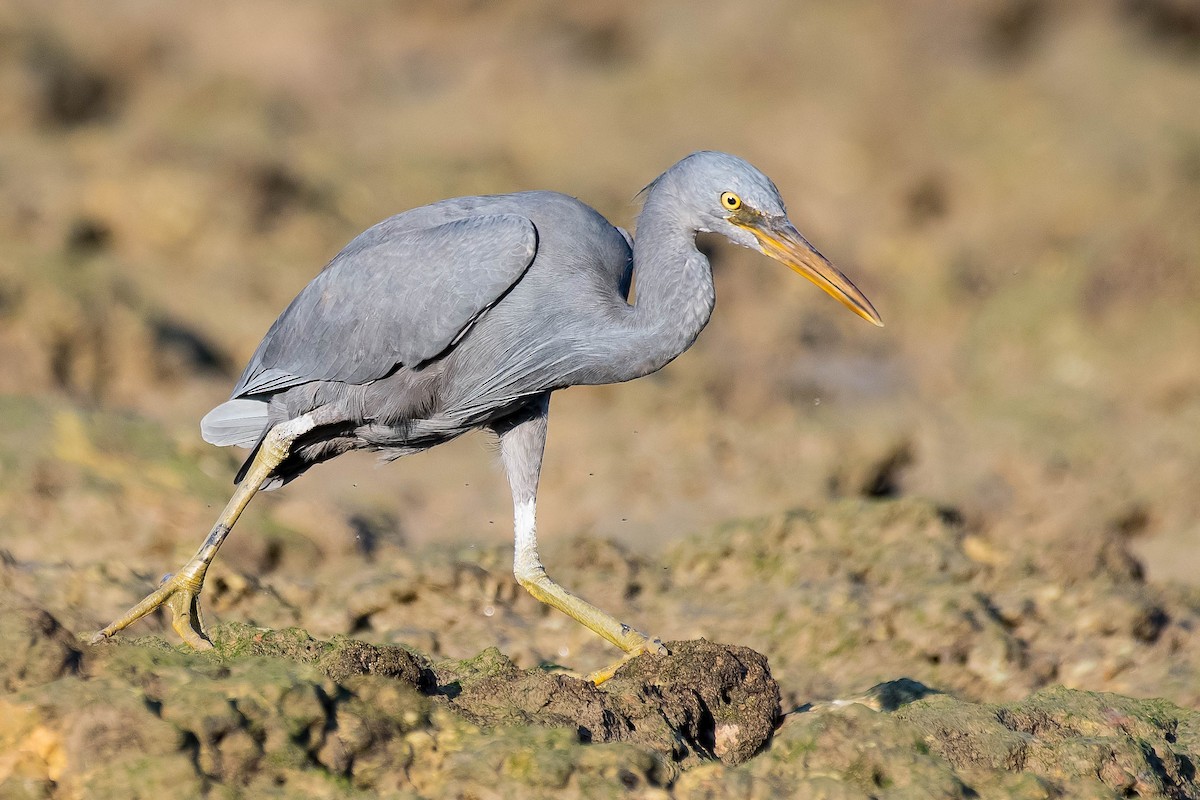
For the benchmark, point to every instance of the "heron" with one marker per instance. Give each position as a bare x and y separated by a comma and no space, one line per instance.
468,314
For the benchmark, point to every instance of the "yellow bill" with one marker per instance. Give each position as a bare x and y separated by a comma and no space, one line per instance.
787,245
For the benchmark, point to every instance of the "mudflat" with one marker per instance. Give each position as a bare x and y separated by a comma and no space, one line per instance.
956,556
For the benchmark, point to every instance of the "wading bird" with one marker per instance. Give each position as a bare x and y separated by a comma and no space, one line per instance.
468,313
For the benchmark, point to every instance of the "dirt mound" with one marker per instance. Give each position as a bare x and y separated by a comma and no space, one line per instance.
703,701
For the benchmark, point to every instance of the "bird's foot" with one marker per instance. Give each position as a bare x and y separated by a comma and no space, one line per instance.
639,643
180,593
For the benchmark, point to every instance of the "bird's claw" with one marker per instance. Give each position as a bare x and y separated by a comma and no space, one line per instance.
180,593
651,645
186,618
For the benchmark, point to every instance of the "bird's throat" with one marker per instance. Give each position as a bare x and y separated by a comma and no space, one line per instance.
674,295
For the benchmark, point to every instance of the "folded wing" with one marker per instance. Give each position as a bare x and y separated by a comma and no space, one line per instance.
395,298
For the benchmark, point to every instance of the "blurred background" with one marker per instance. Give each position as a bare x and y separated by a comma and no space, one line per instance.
1014,183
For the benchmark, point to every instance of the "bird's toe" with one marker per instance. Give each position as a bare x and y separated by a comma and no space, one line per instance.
654,645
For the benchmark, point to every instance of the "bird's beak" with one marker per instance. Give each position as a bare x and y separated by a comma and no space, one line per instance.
779,239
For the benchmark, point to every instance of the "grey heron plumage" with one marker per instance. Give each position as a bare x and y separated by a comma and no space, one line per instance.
468,313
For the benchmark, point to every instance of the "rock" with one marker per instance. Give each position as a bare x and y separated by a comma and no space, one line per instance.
1054,743
702,701
339,658
858,593
1131,746
721,697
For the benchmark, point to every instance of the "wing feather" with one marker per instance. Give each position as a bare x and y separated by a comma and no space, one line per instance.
394,296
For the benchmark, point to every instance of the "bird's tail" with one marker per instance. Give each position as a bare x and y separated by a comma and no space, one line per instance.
240,422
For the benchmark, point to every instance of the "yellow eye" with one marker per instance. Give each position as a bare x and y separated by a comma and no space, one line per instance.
731,201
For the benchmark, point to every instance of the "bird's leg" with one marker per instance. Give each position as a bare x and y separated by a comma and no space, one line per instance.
181,591
522,441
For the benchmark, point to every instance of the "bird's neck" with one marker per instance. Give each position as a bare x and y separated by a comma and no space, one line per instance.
674,294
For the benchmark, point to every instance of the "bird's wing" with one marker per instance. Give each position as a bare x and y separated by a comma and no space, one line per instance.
391,297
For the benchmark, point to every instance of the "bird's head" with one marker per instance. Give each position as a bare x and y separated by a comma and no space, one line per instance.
733,198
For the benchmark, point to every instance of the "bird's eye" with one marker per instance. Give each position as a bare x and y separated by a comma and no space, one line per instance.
731,201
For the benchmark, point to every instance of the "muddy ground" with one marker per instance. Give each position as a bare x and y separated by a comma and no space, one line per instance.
953,557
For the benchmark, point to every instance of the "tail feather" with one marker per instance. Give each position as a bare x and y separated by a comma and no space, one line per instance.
238,422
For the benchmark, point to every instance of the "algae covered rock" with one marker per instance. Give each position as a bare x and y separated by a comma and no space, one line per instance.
839,598
1071,738
280,712
1055,743
283,714
858,593
703,701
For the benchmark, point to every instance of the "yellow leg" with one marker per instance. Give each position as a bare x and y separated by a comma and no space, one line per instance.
632,641
601,675
522,442
181,592
532,575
